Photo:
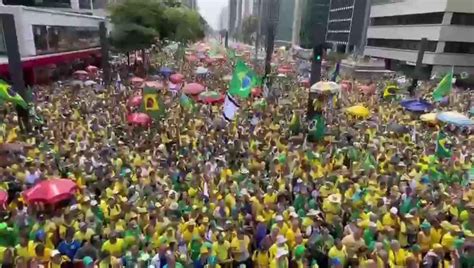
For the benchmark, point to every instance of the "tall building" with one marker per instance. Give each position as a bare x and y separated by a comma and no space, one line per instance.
284,28
397,26
51,33
190,3
232,16
347,23
224,19
315,13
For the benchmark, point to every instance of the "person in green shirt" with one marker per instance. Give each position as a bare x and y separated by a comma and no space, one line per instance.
8,235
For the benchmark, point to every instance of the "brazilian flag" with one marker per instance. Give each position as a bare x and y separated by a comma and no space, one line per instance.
441,150
316,128
152,104
243,80
7,94
295,124
390,91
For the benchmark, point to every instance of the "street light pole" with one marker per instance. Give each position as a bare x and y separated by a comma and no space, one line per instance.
259,33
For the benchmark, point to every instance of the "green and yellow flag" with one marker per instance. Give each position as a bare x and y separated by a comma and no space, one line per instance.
444,87
441,150
390,91
152,104
7,94
243,80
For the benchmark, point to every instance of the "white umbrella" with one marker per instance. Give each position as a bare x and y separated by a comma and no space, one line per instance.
325,87
77,83
89,83
201,70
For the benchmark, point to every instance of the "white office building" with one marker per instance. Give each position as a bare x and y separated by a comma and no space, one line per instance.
397,26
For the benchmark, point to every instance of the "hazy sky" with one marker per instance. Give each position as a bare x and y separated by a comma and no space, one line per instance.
211,9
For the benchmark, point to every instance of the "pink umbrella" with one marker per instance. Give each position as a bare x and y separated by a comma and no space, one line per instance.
305,83
191,58
193,88
91,68
139,119
154,84
3,198
50,191
137,80
176,78
135,101
81,72
282,70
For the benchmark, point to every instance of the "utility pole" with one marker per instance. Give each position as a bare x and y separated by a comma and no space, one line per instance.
259,33
297,13
104,45
318,52
419,63
273,20
15,67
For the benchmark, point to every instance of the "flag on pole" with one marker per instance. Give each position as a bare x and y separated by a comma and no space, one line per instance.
243,80
231,106
444,87
441,150
7,94
152,104
335,72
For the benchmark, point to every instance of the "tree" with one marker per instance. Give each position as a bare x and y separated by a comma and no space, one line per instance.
249,28
183,25
137,24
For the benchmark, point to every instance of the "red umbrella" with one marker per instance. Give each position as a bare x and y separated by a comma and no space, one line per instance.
256,92
137,80
193,88
135,101
176,78
139,119
3,198
50,191
305,83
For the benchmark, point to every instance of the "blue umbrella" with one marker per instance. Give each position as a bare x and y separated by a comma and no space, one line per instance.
416,105
166,71
455,118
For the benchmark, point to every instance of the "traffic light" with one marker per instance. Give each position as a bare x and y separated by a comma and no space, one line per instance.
318,53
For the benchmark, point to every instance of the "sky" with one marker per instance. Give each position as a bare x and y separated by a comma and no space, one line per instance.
211,9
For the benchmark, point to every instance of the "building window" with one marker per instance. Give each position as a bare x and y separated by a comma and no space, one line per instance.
459,47
401,44
462,19
53,39
340,14
338,37
40,3
413,19
3,46
341,3
339,25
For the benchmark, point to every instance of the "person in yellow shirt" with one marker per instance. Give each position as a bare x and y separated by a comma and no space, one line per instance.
220,249
261,258
43,254
240,249
281,224
279,244
57,260
338,251
84,233
280,260
396,255
115,246
391,219
25,249
190,231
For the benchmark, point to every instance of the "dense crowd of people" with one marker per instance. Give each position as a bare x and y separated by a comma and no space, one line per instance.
195,191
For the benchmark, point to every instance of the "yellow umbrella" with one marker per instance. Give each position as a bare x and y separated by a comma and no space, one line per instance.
358,110
429,118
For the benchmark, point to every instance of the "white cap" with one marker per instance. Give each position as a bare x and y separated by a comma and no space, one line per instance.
394,210
281,239
279,218
55,252
94,203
